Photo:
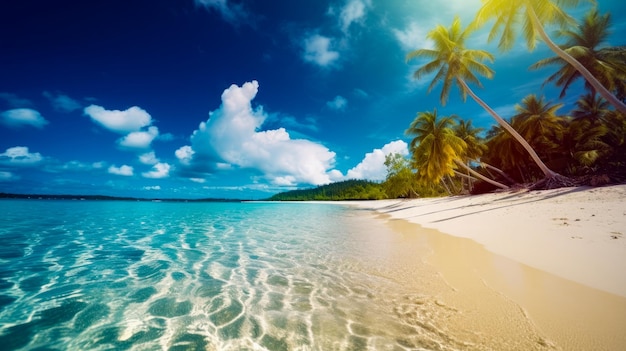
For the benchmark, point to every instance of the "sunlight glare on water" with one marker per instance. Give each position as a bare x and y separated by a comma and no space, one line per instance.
101,275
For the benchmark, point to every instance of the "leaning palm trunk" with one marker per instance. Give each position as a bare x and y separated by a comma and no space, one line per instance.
470,185
464,176
446,186
480,176
546,171
452,186
501,172
606,94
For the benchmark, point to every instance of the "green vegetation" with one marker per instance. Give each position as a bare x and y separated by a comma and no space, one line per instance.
540,146
346,190
457,65
533,14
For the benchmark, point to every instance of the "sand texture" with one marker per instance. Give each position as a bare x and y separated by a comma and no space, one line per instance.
575,233
558,257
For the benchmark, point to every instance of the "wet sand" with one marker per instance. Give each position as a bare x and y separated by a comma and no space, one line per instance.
501,304
559,287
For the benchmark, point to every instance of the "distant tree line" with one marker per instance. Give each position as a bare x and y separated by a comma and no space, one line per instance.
344,190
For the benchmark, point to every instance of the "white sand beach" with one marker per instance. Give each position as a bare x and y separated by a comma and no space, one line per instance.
575,233
558,256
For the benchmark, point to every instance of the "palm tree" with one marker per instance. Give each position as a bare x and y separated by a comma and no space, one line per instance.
532,13
539,123
435,149
434,146
584,142
455,64
592,108
582,44
475,146
469,134
505,152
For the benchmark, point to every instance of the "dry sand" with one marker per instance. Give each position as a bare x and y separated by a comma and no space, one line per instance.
558,256
575,233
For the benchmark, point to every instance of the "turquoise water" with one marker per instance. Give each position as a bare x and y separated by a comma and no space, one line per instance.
100,275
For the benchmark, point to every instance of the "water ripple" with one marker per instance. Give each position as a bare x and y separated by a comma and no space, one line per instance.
138,276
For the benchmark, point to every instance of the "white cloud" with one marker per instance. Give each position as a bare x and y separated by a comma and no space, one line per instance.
8,177
139,140
231,12
159,170
317,50
130,120
184,154
198,180
123,170
149,158
413,37
62,103
20,117
339,103
231,135
155,187
353,11
373,165
19,155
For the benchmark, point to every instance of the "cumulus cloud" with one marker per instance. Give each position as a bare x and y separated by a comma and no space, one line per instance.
159,170
339,103
232,13
232,136
20,117
373,165
149,158
155,187
413,37
61,102
317,50
122,122
124,170
353,11
184,154
19,155
139,140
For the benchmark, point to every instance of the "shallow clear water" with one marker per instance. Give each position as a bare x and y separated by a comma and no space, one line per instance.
99,275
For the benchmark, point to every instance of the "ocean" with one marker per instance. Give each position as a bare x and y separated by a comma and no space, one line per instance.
123,275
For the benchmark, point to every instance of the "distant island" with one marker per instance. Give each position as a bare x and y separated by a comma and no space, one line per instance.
345,190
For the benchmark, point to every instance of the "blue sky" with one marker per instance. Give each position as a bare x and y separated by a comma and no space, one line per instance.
114,97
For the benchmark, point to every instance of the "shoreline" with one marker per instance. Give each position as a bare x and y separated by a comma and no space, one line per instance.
542,269
578,234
